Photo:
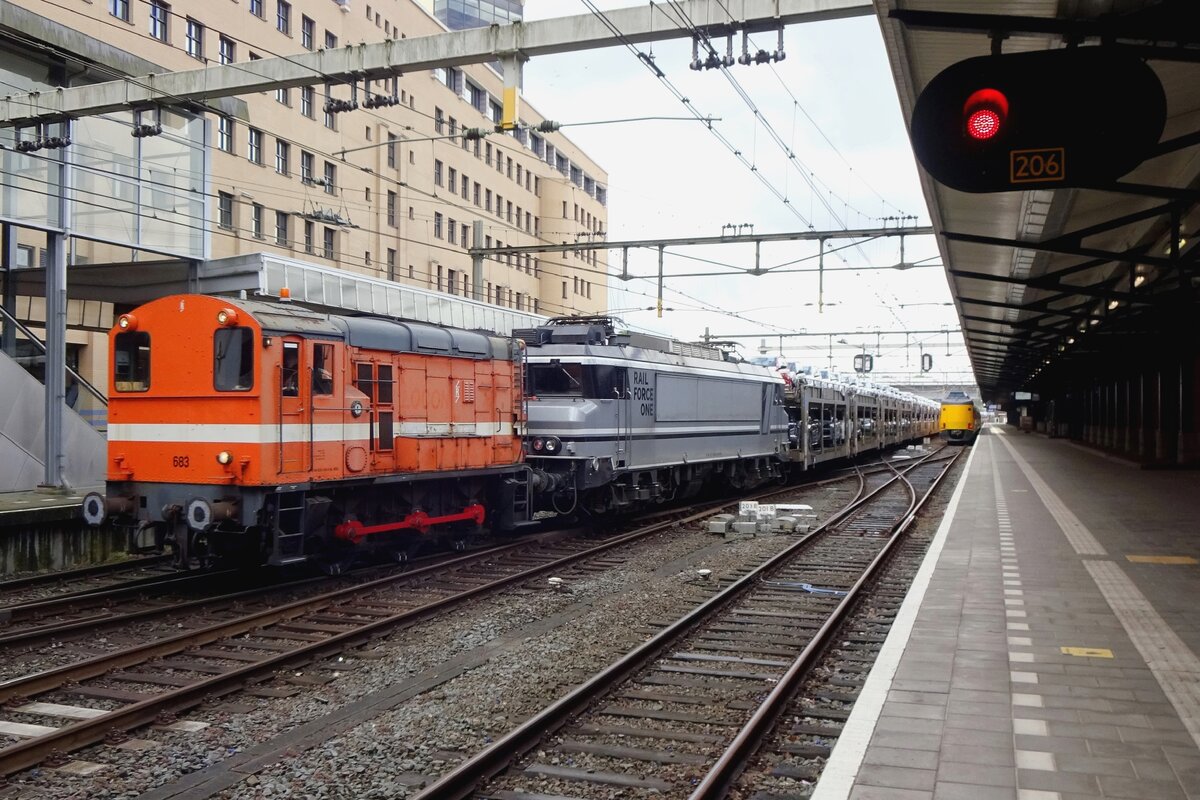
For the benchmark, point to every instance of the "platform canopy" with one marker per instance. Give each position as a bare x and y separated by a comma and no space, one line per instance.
1049,282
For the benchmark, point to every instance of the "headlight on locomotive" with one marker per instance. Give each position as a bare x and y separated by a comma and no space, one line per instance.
224,458
550,445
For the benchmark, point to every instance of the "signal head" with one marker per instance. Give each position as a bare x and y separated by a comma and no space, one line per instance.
985,112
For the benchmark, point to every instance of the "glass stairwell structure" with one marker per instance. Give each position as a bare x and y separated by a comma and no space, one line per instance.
23,417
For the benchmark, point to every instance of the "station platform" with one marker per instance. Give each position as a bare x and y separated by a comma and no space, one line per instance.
38,506
1047,650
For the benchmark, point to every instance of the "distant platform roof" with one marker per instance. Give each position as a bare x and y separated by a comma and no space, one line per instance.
265,274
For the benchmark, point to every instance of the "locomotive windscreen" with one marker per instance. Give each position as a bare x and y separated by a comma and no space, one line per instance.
233,359
592,381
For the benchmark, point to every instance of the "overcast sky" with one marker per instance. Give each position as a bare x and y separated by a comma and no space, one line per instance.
833,102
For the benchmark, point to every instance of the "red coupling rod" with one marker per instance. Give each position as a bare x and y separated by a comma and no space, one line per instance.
354,531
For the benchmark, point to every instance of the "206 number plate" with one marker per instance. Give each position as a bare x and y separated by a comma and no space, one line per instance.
1045,165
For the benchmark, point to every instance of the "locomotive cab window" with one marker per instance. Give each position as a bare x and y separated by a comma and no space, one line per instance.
593,381
291,369
555,379
131,361
233,359
322,381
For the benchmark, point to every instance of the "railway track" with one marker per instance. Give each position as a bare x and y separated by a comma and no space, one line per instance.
81,581
683,710
120,691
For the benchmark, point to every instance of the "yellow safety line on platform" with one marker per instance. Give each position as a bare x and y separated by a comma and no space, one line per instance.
1162,559
1087,652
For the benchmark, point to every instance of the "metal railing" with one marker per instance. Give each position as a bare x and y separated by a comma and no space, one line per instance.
93,409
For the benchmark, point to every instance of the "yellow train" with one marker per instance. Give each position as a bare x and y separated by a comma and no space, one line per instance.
958,422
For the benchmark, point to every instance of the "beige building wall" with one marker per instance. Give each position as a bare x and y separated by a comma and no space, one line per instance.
393,204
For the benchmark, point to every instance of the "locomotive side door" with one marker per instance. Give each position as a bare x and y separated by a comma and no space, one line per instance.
376,381
325,433
292,393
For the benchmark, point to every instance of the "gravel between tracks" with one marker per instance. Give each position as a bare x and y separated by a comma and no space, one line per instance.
413,703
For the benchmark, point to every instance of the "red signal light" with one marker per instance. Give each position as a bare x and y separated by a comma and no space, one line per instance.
986,111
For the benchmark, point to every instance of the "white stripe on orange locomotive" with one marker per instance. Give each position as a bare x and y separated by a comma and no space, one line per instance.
297,432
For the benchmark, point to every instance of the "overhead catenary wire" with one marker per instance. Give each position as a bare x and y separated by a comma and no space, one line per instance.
435,197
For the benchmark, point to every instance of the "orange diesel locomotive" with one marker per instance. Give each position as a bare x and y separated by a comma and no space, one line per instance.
266,432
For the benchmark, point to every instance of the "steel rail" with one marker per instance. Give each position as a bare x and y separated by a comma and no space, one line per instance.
723,774
100,594
97,570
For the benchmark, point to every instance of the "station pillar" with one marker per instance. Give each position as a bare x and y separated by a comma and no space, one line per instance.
1189,409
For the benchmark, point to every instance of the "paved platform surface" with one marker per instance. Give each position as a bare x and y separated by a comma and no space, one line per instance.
21,508
1048,648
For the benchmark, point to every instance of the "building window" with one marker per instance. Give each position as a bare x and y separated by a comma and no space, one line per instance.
391,264
283,96
254,146
256,8
283,17
437,225
487,197
452,178
477,191
437,173
308,236
281,228
306,167
256,220
391,209
465,236
159,14
477,97
329,243
391,150
330,41
195,39
439,121
226,50
225,133
306,101
466,187
497,112
282,157
225,210
119,9
330,117
452,231
330,178
519,174
307,32
487,154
